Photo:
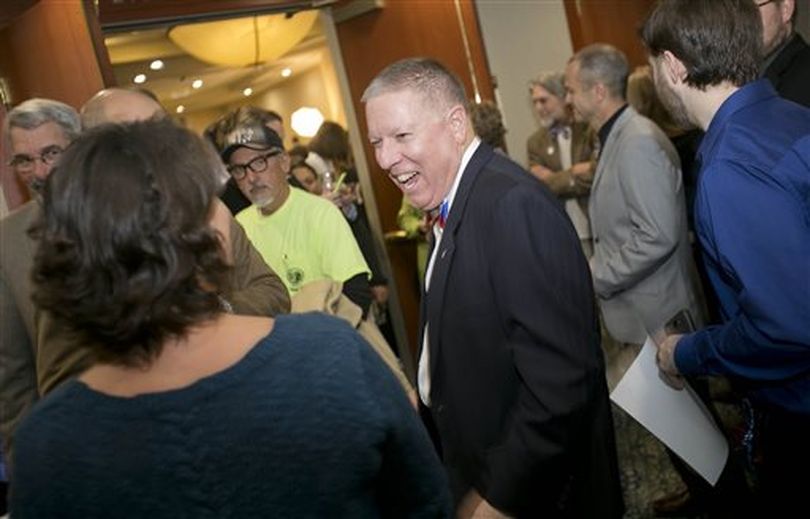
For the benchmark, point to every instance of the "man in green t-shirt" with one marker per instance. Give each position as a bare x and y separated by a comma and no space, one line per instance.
301,236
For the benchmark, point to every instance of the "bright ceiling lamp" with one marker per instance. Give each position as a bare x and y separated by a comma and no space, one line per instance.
241,42
306,120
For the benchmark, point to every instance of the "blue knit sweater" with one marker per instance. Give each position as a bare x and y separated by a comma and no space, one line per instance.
310,423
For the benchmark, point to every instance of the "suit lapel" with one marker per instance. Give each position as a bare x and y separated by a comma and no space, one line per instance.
434,299
607,153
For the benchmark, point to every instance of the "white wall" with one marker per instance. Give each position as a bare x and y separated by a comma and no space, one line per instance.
522,39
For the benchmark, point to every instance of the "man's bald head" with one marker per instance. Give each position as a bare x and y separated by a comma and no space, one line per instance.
118,105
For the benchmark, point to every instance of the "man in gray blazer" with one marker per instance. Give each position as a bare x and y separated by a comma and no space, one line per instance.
642,268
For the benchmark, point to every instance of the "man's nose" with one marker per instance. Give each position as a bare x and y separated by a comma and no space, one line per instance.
387,155
250,176
41,170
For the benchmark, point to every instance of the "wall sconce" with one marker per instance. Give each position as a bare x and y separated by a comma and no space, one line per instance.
306,120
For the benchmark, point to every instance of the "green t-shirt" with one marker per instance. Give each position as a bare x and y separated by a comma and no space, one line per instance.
306,239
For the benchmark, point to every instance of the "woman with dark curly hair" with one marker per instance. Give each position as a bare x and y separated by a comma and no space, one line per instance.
190,411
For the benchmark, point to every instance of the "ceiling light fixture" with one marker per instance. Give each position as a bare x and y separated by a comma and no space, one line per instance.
240,42
156,65
197,83
140,78
286,72
180,109
247,91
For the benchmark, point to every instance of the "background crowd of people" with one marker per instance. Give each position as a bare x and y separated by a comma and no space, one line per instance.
199,324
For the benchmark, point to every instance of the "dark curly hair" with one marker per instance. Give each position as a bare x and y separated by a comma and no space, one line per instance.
126,256
717,40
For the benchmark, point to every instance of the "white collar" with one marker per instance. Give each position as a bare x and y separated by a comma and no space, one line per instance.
465,159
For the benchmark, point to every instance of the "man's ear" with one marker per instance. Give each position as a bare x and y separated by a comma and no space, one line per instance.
457,118
786,9
599,91
674,68
285,162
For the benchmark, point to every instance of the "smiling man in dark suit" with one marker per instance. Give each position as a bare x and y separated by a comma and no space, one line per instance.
510,364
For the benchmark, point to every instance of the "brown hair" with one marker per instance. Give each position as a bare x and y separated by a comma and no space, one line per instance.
716,40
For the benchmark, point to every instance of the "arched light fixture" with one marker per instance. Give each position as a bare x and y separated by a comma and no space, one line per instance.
306,120
241,42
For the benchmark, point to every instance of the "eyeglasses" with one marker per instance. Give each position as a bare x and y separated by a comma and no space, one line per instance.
256,165
25,163
766,2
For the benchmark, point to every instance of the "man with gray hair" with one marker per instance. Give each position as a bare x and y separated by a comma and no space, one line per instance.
642,268
510,368
38,131
562,152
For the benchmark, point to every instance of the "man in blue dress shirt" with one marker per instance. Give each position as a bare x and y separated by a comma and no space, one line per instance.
752,217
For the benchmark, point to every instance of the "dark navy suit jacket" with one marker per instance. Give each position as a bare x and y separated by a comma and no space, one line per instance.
518,388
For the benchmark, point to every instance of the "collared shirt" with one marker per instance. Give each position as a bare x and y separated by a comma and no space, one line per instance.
604,131
751,217
423,374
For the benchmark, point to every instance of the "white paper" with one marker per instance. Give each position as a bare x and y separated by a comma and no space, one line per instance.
677,418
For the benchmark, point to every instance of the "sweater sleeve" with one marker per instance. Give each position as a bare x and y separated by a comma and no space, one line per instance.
412,480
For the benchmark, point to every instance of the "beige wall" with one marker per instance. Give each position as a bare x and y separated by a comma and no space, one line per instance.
522,39
198,120
316,87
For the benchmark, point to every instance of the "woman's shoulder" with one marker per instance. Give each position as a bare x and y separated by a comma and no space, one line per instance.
313,326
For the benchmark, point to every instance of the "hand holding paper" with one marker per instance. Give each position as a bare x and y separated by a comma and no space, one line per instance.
665,358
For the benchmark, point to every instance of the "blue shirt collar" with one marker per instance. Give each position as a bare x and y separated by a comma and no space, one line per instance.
747,95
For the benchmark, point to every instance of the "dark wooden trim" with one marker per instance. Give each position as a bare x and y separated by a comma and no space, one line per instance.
10,9
102,56
143,13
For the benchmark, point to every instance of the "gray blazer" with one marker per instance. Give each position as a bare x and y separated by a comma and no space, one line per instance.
642,265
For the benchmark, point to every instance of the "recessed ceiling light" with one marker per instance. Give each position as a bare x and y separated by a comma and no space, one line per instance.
286,72
197,83
180,109
247,91
140,78
156,65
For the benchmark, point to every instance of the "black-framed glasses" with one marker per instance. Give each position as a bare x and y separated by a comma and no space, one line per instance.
257,165
766,2
25,163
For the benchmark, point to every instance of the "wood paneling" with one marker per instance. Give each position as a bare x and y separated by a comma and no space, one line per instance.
10,9
369,42
609,21
49,53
